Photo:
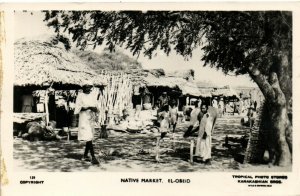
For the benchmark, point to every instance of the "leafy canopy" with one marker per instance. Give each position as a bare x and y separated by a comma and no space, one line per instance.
231,41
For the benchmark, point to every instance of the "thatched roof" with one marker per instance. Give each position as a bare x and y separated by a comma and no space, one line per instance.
206,84
190,88
40,62
170,82
186,87
138,76
205,92
226,92
185,73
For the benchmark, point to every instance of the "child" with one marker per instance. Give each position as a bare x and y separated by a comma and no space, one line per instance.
164,123
164,126
173,116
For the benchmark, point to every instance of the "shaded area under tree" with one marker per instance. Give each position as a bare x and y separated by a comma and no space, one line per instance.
133,152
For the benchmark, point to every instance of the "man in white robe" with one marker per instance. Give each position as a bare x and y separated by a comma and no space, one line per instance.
207,122
86,107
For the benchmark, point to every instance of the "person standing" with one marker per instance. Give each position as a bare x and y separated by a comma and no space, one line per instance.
255,105
164,127
225,106
251,116
199,102
163,100
221,106
234,107
215,103
207,122
86,107
173,115
27,103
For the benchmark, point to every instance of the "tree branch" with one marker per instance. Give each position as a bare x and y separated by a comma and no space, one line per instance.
261,81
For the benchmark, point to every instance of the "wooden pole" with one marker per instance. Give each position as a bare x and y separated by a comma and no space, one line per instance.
187,100
141,102
192,151
46,107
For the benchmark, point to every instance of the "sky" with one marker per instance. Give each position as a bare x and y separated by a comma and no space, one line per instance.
30,24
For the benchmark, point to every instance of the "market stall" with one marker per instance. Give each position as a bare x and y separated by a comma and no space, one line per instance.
45,64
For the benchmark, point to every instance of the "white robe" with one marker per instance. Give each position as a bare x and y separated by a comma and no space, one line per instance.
194,117
203,146
215,103
87,117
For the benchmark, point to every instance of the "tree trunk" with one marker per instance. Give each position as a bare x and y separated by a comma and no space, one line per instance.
281,130
284,73
279,118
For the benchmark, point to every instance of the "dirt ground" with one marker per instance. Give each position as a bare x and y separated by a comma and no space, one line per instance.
134,152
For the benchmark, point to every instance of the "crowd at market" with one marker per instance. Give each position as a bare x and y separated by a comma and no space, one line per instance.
66,99
80,113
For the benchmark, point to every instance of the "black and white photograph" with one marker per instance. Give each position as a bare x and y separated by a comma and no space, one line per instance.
178,94
177,91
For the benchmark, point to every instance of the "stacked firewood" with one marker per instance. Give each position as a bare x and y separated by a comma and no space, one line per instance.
116,96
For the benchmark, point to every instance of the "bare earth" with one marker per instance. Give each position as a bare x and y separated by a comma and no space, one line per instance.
134,153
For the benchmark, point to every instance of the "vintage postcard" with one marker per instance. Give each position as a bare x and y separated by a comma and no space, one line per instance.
150,99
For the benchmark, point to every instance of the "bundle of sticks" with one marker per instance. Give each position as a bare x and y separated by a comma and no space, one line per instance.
115,97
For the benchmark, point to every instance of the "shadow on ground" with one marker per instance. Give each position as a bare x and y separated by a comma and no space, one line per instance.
130,152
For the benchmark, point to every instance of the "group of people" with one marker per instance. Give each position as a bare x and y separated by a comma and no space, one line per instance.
167,114
202,121
237,106
219,105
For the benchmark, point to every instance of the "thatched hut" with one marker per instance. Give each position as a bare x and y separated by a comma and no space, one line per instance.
187,74
177,87
227,92
230,97
43,63
168,82
118,63
148,84
191,91
158,85
40,63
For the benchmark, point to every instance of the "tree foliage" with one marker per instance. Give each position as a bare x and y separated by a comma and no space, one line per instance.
231,40
239,42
